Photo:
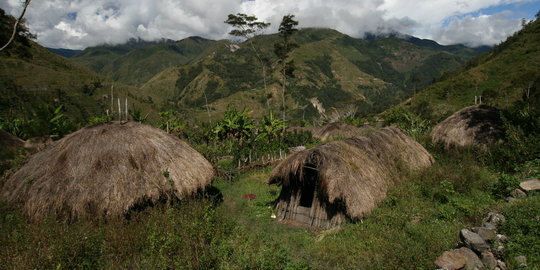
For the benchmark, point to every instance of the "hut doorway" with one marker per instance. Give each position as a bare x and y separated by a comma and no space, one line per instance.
307,193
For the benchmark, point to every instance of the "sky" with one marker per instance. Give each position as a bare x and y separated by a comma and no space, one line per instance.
77,24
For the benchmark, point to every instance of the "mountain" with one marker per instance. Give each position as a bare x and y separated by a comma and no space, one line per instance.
340,72
507,76
137,61
67,53
34,80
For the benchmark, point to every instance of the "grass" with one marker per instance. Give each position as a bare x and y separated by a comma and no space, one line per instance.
415,223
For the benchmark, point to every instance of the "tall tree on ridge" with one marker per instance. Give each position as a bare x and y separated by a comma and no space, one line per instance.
283,49
248,27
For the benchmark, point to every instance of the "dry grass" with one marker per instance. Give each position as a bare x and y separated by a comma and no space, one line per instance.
355,172
333,131
105,170
478,125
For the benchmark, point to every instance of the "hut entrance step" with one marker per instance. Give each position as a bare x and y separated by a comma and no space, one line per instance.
303,215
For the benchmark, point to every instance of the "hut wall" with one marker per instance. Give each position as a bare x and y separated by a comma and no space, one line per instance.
319,214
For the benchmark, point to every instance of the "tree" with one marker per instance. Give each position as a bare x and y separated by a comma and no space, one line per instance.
283,49
248,27
17,21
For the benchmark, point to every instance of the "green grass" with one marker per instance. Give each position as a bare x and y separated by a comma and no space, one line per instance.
416,222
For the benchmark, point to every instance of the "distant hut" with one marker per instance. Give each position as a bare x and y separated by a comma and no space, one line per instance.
340,180
337,130
105,170
478,125
333,131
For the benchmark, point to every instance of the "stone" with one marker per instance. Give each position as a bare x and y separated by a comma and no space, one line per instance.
499,250
489,225
511,199
471,259
495,218
518,193
530,184
473,240
501,238
485,233
450,260
501,265
521,261
489,260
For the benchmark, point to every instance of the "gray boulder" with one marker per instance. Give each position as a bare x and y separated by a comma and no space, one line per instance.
530,184
474,241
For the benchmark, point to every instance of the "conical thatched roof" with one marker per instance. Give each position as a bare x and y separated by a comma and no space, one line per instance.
332,131
337,130
356,171
479,125
105,170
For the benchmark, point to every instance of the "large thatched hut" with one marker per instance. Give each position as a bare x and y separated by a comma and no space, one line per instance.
477,125
340,180
105,170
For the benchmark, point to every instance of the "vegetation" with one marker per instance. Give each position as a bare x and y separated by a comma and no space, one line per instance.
230,225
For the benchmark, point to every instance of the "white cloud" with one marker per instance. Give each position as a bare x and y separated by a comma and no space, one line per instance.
477,31
115,21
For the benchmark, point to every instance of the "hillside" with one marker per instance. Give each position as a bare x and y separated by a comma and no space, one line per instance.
507,76
34,81
341,72
137,61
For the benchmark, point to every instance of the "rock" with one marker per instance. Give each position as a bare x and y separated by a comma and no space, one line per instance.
501,265
471,259
495,218
530,184
473,240
511,199
499,250
518,193
489,260
451,260
489,225
501,238
521,261
485,233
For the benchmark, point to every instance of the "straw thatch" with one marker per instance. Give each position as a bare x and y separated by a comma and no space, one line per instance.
340,180
106,170
478,125
333,131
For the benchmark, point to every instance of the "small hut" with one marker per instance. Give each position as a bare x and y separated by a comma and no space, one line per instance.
340,180
477,125
105,170
333,131
338,130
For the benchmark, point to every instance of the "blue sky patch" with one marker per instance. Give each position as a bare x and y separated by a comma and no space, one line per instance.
72,16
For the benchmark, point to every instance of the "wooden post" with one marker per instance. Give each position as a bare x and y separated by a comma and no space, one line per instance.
112,101
126,111
119,111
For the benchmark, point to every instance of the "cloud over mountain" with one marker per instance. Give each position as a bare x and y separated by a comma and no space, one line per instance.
82,23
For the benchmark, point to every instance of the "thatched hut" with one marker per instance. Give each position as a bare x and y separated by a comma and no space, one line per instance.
338,130
106,170
477,125
340,180
333,131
